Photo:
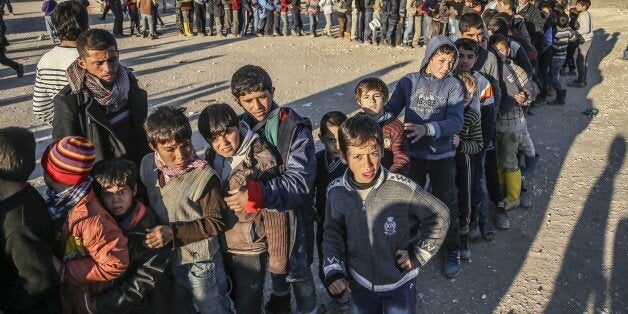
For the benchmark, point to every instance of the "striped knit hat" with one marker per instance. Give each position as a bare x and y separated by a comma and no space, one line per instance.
69,160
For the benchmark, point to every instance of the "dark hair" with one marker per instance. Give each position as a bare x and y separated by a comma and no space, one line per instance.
249,79
446,50
369,84
17,154
166,124
470,20
503,15
498,26
332,118
116,172
562,20
215,120
509,3
498,39
488,15
357,131
70,19
546,4
467,44
95,39
586,3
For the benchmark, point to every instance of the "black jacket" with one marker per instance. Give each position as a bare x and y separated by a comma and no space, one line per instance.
535,21
28,280
81,115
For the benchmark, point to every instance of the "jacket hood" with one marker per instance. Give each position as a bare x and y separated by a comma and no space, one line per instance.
435,43
246,139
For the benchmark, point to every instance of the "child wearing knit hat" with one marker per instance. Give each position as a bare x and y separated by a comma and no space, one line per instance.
92,249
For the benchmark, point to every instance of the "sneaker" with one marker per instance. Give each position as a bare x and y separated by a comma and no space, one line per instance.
452,264
20,71
465,252
278,305
501,218
334,306
524,200
488,234
475,235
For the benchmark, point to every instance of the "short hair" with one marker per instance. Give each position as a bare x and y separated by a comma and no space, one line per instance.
509,3
562,20
369,84
249,79
215,120
498,26
446,50
488,15
468,81
467,44
499,39
168,123
546,4
114,172
357,131
70,19
17,154
503,15
586,3
332,118
470,20
95,39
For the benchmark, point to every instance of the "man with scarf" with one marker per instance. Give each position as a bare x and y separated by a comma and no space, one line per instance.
103,101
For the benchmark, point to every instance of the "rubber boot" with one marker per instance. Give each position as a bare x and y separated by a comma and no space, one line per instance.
525,199
530,169
186,28
284,23
560,97
513,188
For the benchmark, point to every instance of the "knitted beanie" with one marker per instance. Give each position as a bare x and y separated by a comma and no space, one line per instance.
69,160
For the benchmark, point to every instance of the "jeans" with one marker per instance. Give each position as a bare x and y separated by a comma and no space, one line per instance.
147,23
443,179
201,287
582,59
368,17
464,175
313,22
50,28
200,15
478,186
304,291
418,29
297,21
134,17
408,30
389,22
247,273
554,73
398,301
427,28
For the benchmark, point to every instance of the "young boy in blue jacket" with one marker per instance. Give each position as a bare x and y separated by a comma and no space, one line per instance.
433,100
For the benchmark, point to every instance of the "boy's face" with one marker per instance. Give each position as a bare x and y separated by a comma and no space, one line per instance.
330,140
502,51
227,144
501,7
257,104
175,155
117,200
440,64
580,8
466,60
474,34
372,103
363,161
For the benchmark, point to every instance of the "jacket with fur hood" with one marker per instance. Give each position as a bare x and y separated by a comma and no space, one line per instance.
436,103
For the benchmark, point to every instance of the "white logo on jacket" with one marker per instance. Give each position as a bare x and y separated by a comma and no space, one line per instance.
390,227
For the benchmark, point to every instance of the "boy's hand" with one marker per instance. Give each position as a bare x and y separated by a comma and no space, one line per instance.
237,199
521,98
158,237
456,140
415,131
403,259
339,285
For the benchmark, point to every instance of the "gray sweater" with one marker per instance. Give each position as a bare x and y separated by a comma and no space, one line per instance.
364,235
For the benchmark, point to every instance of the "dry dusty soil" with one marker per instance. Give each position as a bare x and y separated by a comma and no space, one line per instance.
566,254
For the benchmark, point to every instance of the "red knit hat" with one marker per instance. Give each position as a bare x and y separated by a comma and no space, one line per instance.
69,160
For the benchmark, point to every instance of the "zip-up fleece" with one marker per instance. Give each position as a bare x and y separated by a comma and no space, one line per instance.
364,236
436,103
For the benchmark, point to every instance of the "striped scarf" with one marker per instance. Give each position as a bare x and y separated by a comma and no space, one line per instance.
169,174
60,204
113,99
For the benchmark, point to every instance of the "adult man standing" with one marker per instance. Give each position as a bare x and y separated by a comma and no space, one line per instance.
116,8
102,101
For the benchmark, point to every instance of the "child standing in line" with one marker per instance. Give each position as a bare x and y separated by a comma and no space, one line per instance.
371,94
185,193
134,16
328,9
313,10
47,8
562,37
146,14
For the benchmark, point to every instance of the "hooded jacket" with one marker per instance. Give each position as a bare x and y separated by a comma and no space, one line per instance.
436,103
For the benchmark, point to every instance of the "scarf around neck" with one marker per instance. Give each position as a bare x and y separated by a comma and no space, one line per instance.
60,204
270,125
113,99
169,174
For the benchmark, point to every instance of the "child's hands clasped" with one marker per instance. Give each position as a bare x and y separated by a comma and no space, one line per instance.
158,236
456,140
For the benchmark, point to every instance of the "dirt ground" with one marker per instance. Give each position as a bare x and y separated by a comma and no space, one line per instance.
566,254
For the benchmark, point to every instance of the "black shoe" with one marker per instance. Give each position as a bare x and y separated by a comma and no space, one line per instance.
488,234
278,305
452,264
409,45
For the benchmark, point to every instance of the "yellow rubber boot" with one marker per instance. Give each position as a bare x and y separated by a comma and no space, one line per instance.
513,188
186,29
502,180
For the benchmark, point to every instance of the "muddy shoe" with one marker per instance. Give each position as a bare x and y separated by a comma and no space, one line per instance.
488,234
452,264
475,235
501,218
278,304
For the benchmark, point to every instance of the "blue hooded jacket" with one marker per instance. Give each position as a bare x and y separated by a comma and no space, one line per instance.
436,103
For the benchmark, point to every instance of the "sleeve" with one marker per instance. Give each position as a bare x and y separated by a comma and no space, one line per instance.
493,74
584,25
32,258
138,283
399,97
107,249
293,188
433,216
452,124
65,121
212,206
334,244
43,106
401,151
474,142
523,61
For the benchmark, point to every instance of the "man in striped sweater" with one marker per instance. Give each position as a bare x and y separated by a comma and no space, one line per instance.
70,19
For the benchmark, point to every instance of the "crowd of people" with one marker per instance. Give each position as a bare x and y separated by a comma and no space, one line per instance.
134,221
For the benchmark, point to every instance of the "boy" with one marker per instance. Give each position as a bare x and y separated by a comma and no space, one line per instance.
370,233
371,94
257,238
434,103
116,187
291,136
29,279
519,90
185,194
134,16
479,227
146,15
91,247
468,142
585,30
562,37
329,167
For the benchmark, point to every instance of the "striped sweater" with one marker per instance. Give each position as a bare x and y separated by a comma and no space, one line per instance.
471,141
50,79
562,38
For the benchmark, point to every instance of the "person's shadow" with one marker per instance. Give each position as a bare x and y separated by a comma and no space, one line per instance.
583,282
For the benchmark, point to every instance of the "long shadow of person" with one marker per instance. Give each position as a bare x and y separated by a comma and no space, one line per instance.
619,285
582,280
